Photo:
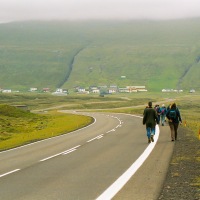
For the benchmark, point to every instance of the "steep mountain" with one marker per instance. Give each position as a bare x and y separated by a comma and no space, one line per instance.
157,54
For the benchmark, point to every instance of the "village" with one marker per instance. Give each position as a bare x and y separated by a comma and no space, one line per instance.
102,90
81,90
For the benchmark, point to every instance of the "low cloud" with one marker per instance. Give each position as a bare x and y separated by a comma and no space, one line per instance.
14,10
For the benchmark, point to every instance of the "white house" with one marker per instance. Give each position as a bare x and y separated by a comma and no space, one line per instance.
6,91
33,89
96,91
192,91
137,88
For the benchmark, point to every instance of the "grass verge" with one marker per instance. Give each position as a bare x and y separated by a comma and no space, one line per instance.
20,127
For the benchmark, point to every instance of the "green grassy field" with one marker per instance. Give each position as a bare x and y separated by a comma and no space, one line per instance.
21,127
157,54
18,127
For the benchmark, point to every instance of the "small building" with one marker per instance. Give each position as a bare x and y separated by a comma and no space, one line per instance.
33,89
59,90
124,90
192,91
112,90
46,90
137,88
94,89
7,91
65,91
81,90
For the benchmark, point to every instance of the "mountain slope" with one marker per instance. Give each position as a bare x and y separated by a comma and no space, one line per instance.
157,54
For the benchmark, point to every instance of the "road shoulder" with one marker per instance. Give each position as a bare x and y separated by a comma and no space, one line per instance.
148,181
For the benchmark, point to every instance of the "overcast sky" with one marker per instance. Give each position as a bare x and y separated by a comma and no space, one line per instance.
12,10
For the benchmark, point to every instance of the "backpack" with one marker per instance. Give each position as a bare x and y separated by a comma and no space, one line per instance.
172,114
162,111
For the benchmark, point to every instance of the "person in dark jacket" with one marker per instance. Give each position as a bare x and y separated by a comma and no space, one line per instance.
158,110
174,117
163,114
150,118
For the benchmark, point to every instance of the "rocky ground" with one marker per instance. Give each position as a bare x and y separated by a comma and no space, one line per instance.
183,177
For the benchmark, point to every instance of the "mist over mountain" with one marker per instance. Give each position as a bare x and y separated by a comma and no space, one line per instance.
65,54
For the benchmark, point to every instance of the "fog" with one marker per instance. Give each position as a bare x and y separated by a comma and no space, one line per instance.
15,10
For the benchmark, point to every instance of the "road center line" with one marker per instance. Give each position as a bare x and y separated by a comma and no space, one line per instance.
69,151
9,172
110,131
51,157
99,136
64,152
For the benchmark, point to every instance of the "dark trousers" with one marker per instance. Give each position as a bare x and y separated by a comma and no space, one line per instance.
173,129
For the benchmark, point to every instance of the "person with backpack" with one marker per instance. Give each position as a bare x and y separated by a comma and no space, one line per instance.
163,114
158,110
174,117
150,118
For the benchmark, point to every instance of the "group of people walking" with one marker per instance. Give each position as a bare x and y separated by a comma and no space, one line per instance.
158,115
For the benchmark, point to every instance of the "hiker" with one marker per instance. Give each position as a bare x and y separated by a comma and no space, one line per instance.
163,114
145,110
174,117
158,111
150,118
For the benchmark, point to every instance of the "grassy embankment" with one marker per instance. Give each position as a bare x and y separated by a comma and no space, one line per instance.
20,127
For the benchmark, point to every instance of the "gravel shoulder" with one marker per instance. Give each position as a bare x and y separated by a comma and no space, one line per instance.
183,177
171,172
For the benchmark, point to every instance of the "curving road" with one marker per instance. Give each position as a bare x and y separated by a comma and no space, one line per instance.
79,165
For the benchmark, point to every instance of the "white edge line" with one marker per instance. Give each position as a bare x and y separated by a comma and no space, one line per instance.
111,191
9,172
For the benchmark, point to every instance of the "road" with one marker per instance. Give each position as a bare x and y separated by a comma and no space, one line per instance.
80,165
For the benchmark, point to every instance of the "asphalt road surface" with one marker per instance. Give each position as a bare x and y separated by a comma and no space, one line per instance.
81,165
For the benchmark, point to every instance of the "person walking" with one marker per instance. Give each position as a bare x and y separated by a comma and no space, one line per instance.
174,117
158,110
150,118
163,114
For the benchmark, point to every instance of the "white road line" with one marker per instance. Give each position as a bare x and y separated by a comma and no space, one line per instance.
91,140
95,138
9,172
69,151
64,152
123,179
51,157
75,147
110,131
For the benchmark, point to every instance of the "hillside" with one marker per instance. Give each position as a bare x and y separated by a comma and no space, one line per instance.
157,54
